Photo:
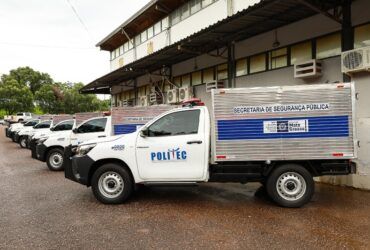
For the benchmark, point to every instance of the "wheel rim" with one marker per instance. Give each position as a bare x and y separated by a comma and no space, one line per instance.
56,160
111,184
23,143
291,186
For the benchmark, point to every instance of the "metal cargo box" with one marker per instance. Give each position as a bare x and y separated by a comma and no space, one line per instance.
284,123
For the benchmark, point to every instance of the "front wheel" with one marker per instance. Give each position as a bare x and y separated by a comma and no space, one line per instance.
23,142
290,185
112,184
55,159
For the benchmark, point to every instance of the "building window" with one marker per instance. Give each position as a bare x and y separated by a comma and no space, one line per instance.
328,46
121,50
150,32
278,58
195,6
130,44
125,47
176,16
206,3
143,36
301,52
222,72
196,78
208,75
157,28
185,80
112,55
137,40
185,12
241,67
362,36
258,63
165,23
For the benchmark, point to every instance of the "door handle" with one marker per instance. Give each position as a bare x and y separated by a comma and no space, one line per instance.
194,142
142,147
101,136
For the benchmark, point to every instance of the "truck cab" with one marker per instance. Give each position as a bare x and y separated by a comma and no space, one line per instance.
50,149
23,116
24,133
17,127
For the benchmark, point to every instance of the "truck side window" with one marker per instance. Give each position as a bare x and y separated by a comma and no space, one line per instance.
30,123
179,123
43,124
96,125
63,126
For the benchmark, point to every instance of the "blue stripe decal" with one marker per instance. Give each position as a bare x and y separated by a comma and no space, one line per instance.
321,126
126,128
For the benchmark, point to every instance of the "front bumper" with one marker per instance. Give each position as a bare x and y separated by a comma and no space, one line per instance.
77,168
16,137
7,132
41,152
32,144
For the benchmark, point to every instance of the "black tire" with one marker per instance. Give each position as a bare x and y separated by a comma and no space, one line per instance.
296,186
115,175
14,138
23,142
55,159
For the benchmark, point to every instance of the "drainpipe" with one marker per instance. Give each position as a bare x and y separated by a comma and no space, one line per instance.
230,7
347,31
231,65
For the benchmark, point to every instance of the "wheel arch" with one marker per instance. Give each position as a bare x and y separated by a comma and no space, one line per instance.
51,148
306,164
101,162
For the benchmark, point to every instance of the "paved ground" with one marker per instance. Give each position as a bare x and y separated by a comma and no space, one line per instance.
41,209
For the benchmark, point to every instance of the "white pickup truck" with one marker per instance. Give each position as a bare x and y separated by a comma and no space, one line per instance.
20,117
279,136
14,128
25,132
50,149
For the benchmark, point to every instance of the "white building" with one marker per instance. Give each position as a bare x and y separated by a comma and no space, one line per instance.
191,45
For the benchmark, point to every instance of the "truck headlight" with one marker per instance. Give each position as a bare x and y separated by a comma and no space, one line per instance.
41,140
84,149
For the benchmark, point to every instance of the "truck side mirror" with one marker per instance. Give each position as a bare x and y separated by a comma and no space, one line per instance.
144,132
75,131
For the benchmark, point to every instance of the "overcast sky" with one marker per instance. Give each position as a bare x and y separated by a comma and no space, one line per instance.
48,36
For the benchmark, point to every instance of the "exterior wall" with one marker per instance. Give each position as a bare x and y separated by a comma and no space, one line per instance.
159,42
127,57
199,20
239,5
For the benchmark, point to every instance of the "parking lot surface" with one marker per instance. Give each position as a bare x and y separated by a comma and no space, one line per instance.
42,209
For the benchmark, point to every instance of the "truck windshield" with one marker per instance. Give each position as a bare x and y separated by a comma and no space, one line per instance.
179,123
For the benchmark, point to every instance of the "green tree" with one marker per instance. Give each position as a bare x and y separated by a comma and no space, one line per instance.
75,102
15,97
28,77
50,99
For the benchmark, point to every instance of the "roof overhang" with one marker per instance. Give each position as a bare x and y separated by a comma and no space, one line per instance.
150,14
259,18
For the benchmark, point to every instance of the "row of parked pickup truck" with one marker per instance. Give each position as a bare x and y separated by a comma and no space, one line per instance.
281,137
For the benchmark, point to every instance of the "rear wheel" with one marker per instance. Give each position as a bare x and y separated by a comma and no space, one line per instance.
23,142
55,159
290,185
112,184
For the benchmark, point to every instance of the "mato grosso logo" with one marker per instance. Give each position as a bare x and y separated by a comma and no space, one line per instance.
170,155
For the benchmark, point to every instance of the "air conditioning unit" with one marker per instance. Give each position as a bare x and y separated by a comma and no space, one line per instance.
308,69
356,60
155,98
214,85
127,103
172,96
143,101
185,93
